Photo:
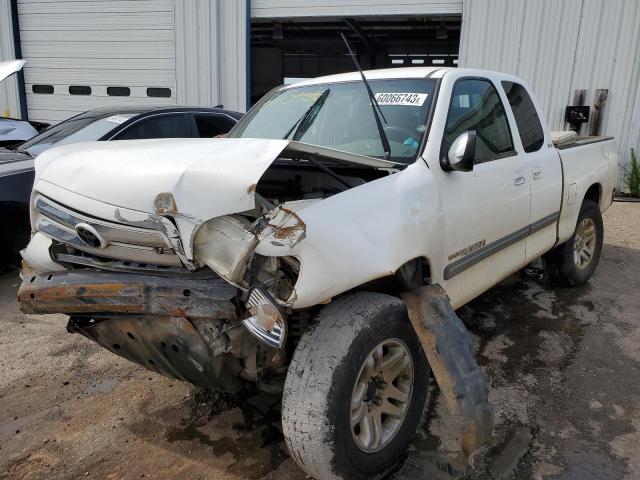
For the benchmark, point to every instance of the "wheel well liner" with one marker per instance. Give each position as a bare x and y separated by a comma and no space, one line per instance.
594,193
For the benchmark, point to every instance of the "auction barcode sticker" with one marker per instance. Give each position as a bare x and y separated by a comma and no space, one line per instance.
399,98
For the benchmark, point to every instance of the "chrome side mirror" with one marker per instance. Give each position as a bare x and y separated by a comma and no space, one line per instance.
462,152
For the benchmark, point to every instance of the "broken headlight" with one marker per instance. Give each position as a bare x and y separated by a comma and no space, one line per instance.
225,245
267,322
278,275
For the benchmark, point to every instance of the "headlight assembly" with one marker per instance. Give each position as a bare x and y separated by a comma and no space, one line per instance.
225,245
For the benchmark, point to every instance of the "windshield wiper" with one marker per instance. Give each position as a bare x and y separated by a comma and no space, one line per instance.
304,122
377,111
18,149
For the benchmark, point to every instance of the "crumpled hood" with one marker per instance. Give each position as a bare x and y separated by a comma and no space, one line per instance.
197,178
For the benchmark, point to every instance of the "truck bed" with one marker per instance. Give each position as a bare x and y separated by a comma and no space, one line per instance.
563,139
585,162
581,141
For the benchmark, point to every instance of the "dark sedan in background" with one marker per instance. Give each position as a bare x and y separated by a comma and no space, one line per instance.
16,164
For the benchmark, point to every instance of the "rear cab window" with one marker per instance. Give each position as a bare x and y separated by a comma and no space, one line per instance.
527,120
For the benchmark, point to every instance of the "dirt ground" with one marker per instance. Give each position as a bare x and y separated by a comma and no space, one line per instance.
563,365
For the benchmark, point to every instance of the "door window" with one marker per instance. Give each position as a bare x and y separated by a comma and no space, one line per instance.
527,120
161,126
210,126
476,105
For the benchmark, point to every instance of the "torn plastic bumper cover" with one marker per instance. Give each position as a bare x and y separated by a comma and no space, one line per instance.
174,326
449,350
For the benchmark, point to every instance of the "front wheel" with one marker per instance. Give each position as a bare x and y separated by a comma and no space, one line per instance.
575,261
355,389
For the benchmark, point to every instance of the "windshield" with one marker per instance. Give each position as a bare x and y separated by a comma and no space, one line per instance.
82,128
342,117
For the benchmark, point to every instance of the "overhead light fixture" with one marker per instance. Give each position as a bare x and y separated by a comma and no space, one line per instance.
442,33
278,31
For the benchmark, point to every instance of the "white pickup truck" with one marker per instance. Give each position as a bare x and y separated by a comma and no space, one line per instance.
276,257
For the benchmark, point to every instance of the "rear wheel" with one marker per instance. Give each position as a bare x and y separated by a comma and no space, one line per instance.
355,390
575,261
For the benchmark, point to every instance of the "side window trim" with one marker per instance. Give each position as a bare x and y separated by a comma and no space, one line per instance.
511,153
126,127
218,118
133,124
192,124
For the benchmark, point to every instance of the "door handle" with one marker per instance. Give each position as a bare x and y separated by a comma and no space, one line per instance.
537,173
518,179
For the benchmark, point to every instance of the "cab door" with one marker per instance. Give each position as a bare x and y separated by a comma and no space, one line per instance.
486,210
542,167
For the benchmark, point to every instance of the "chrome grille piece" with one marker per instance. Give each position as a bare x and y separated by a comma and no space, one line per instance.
116,241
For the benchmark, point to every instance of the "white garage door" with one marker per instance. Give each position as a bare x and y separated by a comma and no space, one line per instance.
342,8
94,53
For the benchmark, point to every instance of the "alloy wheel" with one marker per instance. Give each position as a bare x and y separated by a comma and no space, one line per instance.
381,395
584,243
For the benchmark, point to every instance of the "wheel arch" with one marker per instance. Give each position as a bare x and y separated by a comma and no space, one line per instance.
594,194
411,275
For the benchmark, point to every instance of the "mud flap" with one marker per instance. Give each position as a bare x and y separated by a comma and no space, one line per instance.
449,350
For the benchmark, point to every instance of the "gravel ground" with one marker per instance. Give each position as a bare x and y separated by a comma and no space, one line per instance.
563,365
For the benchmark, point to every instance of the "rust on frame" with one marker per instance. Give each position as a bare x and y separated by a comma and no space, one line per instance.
86,292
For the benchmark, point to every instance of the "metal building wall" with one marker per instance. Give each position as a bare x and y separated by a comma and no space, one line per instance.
561,46
196,53
234,53
608,56
197,48
333,8
9,99
99,44
211,51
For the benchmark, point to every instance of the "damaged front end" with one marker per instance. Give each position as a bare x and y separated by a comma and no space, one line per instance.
192,325
231,245
227,245
180,327
198,290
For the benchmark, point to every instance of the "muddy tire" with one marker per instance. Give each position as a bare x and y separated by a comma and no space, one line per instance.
575,261
329,408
